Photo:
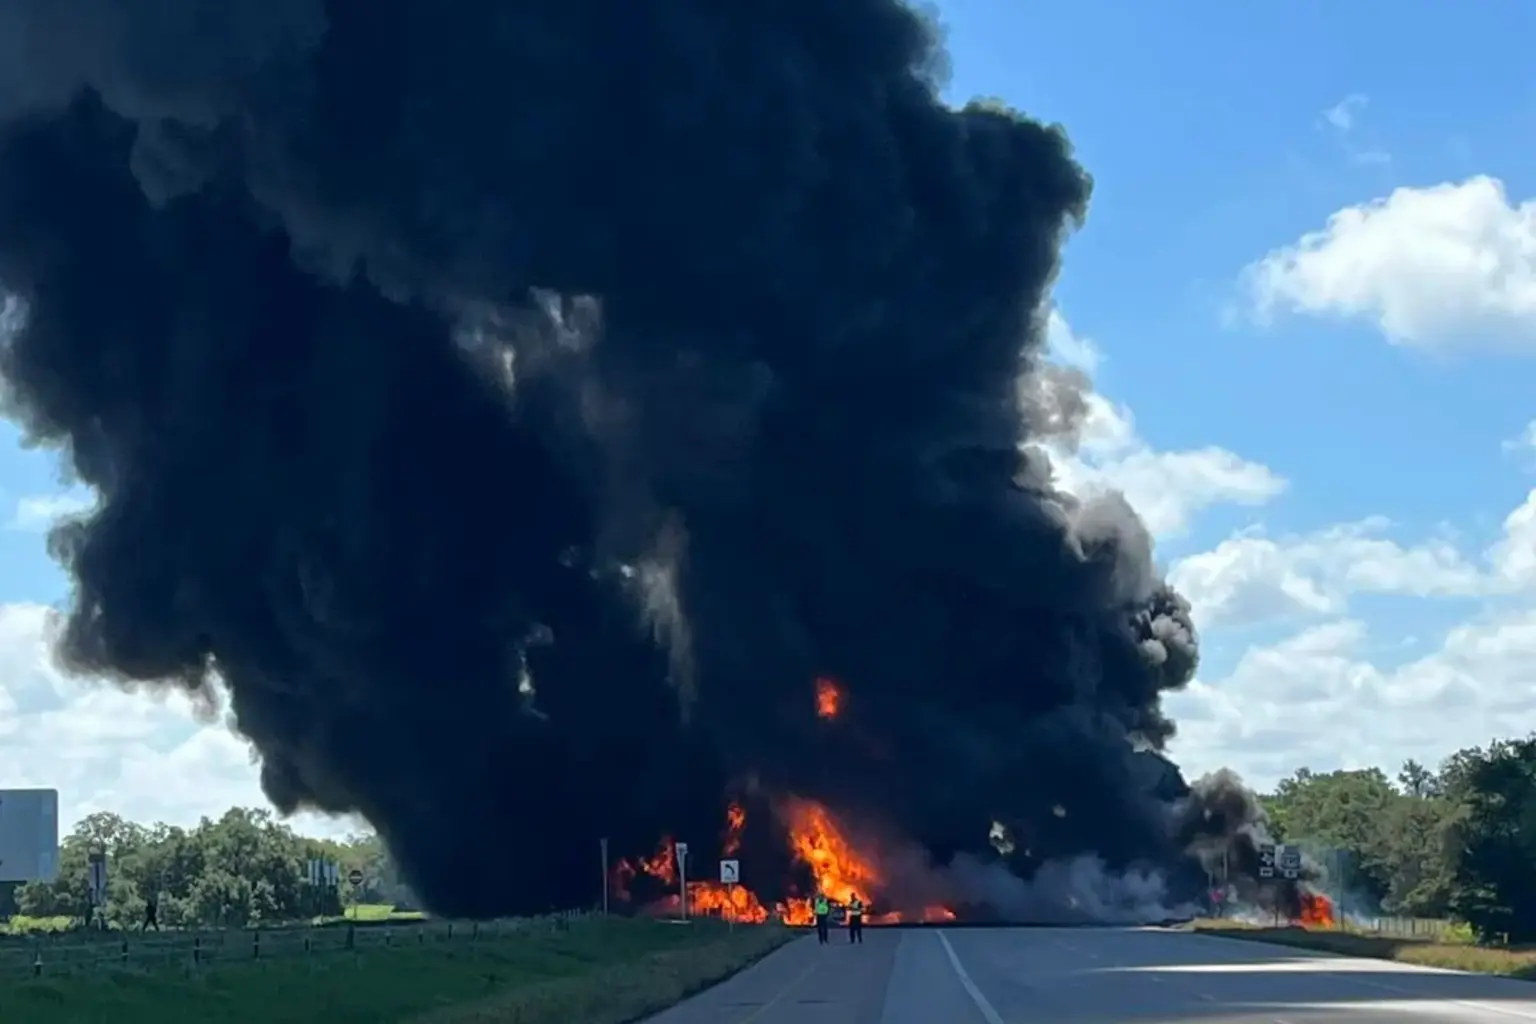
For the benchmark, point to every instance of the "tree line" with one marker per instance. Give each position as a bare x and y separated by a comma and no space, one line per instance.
241,869
1458,841
1454,842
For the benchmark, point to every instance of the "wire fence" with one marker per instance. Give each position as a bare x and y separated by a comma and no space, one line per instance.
1426,928
50,955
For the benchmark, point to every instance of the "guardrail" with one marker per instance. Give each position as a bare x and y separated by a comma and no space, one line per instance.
77,952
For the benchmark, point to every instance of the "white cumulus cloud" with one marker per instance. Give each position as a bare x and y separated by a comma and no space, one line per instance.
1251,577
104,749
1319,698
1451,265
1168,488
35,513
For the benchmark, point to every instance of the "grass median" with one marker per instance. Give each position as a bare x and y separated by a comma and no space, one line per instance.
1457,955
596,971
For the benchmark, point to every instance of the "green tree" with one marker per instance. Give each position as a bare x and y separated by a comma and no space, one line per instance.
1495,840
244,867
1416,780
1341,810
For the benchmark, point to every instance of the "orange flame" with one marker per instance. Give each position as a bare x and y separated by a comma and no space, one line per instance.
837,867
840,872
829,698
1316,911
735,821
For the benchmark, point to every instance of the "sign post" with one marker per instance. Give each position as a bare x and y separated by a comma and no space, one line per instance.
730,876
355,880
603,846
682,878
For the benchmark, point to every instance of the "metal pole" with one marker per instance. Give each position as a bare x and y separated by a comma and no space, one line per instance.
682,883
1226,878
603,843
1338,903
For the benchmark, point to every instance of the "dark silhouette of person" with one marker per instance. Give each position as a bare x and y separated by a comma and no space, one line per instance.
151,913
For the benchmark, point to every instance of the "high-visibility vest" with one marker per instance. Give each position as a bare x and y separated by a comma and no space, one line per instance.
856,908
821,907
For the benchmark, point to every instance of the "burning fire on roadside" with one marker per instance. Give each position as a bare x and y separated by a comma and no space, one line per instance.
1316,911
817,841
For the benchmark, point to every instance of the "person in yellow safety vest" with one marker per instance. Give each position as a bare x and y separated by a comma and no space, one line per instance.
856,919
823,912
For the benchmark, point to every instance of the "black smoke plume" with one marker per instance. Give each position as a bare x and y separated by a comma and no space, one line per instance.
518,404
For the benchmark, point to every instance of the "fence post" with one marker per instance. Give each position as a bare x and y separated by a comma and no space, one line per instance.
256,944
197,950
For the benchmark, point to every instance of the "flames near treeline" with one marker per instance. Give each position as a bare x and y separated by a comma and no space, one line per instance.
824,860
827,858
832,865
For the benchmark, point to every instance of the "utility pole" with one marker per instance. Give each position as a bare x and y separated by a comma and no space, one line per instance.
603,844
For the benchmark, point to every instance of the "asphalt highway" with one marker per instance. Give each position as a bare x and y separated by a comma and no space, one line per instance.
1091,976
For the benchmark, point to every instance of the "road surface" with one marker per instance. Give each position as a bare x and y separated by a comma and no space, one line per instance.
1091,976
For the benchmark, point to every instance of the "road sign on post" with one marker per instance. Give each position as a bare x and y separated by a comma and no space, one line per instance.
1267,860
730,876
355,877
1290,861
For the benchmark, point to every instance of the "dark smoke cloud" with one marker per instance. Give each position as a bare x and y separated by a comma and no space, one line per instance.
517,405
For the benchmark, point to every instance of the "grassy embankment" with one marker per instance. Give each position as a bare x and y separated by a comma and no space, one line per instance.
1453,950
597,971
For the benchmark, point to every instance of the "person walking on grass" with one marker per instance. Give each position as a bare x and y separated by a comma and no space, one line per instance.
823,912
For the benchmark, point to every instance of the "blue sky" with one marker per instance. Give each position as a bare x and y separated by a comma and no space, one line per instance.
1307,294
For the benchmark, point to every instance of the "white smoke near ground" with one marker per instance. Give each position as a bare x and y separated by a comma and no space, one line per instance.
1078,891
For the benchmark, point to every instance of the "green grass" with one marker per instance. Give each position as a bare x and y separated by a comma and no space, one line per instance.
1454,949
596,971
362,912
379,912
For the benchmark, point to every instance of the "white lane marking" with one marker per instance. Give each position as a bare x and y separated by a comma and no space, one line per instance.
988,1011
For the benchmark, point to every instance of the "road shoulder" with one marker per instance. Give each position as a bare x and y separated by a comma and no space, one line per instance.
800,983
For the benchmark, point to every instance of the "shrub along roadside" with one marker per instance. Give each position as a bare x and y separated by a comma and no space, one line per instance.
1456,956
